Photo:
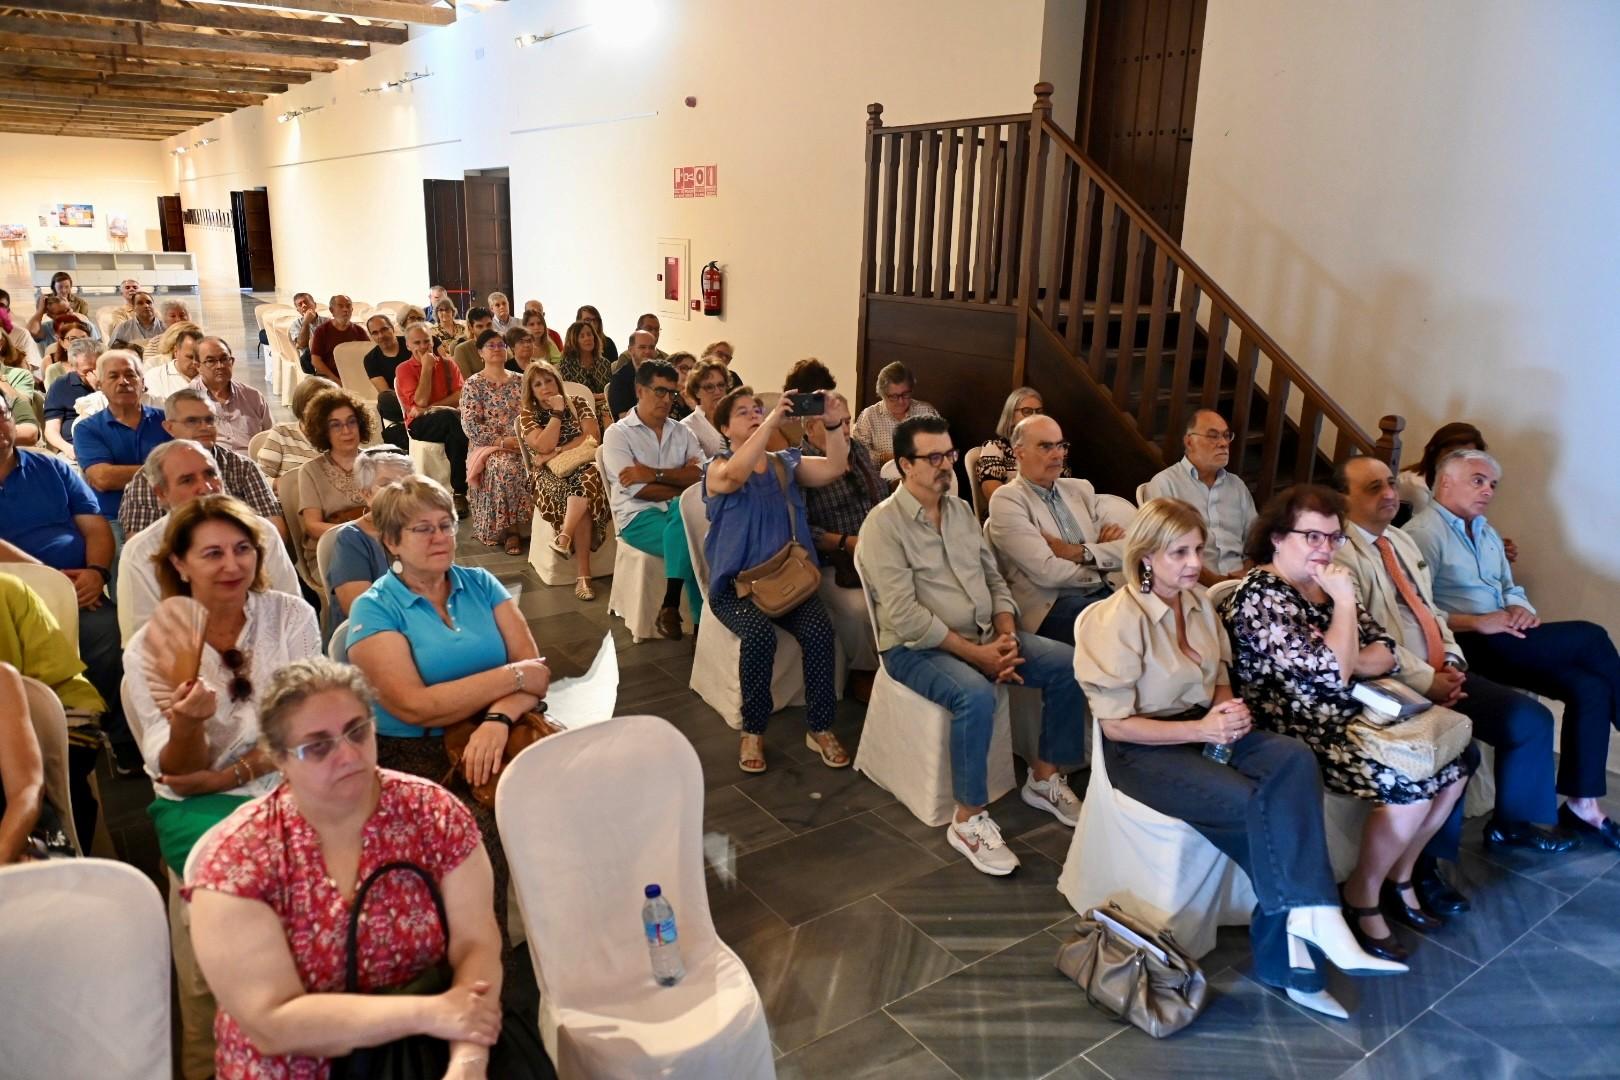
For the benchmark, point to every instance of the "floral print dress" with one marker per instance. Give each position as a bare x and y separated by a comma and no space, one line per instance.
500,499
551,491
1283,668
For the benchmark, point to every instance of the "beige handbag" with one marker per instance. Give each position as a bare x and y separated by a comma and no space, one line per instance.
1133,972
569,460
1418,746
786,579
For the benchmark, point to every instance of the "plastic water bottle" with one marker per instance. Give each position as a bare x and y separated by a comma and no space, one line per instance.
659,920
1219,753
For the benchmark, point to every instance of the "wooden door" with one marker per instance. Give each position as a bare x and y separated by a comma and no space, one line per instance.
1138,86
446,215
244,265
170,224
255,226
489,235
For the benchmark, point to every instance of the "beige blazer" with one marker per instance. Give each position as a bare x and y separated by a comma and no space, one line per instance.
1019,517
1376,592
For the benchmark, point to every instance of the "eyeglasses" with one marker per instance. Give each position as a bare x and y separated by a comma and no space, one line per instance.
1048,447
425,531
1029,410
897,398
711,387
241,686
661,391
1317,538
196,421
947,457
1218,436
351,424
318,750
219,361
497,345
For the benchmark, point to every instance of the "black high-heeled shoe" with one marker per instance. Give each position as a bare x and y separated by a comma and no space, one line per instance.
1385,948
1395,907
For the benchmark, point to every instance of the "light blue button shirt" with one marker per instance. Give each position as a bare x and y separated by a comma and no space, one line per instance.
1227,506
1469,565
630,442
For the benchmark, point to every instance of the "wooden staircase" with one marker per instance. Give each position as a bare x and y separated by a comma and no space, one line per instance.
995,254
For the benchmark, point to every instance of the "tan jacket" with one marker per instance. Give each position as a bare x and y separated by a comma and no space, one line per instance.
1018,519
1376,592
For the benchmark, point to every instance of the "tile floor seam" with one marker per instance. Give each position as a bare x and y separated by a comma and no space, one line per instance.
1290,1003
913,1036
933,940
913,841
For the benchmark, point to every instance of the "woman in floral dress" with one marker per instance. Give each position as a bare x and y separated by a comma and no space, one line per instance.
497,487
576,504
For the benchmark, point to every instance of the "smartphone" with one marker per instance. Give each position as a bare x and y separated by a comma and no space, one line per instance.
811,404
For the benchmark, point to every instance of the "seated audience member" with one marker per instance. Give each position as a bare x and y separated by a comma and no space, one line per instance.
128,289
875,426
705,385
176,472
683,363
52,319
69,328
271,892
288,447
111,445
63,394
1506,640
947,628
16,330
188,414
500,309
838,509
1051,540
429,390
1153,660
174,312
174,365
303,328
996,464
575,503
583,360
649,323
143,323
587,313
30,827
465,353
436,295
1393,586
1200,479
722,351
33,642
621,389
358,558
382,362
442,643
748,493
497,483
17,387
62,286
548,343
327,336
239,409
337,424
447,330
1299,641
1415,483
650,460
520,349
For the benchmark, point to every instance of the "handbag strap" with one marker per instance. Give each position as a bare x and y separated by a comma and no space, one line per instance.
1138,962
351,974
787,496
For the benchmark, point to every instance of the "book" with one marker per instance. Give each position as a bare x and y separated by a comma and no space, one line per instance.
1389,698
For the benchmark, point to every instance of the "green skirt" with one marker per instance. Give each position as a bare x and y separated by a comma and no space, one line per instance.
180,823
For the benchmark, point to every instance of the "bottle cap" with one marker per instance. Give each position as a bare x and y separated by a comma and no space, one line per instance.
653,890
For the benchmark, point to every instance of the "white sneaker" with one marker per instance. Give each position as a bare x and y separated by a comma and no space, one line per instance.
1054,796
980,840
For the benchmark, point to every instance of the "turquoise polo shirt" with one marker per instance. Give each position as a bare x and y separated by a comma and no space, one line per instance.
442,653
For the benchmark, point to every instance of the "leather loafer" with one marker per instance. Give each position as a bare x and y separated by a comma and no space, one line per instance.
668,623
1524,834
1435,893
1607,833
1395,907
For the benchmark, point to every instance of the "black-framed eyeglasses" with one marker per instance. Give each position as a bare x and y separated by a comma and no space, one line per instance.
938,459
1317,538
1048,447
661,391
241,687
318,750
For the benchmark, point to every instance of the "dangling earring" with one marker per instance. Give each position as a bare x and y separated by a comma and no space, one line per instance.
396,566
1147,578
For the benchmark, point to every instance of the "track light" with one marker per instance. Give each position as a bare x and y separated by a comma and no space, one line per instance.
395,84
296,113
525,40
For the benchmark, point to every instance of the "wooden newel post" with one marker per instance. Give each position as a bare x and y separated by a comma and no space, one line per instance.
874,116
869,228
1029,239
1388,447
1043,102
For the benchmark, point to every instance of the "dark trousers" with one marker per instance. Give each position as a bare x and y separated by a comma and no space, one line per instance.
808,623
1059,622
103,658
1574,662
444,426
1520,729
393,420
1263,810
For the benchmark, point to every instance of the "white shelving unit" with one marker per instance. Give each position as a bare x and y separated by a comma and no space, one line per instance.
105,269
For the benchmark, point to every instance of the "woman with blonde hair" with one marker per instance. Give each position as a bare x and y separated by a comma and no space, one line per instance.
1152,660
574,503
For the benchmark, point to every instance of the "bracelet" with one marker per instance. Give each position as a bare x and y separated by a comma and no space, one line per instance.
236,774
517,675
497,718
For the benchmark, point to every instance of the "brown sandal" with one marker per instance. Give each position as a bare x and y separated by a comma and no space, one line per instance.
751,757
825,743
514,544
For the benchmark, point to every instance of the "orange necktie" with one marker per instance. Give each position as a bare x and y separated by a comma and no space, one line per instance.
1432,640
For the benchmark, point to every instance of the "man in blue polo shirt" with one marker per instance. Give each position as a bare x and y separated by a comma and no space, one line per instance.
112,444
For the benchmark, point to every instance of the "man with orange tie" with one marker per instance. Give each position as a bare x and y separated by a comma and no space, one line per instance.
1394,586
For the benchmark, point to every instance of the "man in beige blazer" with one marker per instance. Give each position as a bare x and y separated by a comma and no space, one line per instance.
1053,542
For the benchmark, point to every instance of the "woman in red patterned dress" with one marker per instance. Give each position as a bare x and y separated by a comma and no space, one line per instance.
272,887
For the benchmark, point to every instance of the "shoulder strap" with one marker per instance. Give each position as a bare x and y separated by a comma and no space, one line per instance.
787,497
351,976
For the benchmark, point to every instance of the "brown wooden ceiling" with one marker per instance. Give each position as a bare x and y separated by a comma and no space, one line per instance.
146,69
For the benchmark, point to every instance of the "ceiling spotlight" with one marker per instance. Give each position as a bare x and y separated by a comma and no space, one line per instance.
177,151
296,113
202,142
525,40
395,84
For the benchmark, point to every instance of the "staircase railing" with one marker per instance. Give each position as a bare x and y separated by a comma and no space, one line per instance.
1007,211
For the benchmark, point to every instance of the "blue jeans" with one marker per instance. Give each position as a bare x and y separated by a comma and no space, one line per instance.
1059,622
970,697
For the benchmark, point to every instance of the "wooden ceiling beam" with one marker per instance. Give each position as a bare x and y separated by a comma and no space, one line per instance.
11,67
218,18
392,10
210,98
26,92
26,109
292,68
70,127
73,30
259,82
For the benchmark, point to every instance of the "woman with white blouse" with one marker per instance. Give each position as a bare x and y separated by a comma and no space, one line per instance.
704,387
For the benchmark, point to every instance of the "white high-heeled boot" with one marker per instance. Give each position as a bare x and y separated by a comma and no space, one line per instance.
1299,956
1324,926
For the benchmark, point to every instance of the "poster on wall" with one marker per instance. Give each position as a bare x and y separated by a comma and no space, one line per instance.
76,215
674,266
11,234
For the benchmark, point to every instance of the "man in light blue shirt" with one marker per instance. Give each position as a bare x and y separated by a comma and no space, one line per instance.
650,460
1201,480
1506,641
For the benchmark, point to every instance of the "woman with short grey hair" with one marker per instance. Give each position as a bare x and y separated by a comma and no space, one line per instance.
357,557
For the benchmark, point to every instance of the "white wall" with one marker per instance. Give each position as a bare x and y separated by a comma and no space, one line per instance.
782,92
116,176
1420,202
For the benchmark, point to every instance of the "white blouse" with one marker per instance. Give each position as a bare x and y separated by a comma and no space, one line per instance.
708,437
279,629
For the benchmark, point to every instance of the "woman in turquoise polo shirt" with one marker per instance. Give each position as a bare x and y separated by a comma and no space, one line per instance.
442,643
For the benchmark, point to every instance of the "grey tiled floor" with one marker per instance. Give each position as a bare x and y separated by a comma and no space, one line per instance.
879,953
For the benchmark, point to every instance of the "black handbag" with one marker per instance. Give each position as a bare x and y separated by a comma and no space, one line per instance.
414,1057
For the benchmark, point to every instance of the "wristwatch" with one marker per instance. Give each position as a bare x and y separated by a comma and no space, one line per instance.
497,717
658,476
1086,557
106,574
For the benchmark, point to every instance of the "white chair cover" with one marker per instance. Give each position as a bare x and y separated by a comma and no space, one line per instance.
89,937
50,730
292,513
349,358
847,610
601,1013
338,648
256,443
970,465
556,570
638,585
55,590
1154,866
1479,797
906,744
430,460
1141,494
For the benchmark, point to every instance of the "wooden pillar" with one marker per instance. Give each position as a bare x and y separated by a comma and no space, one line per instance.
1388,447
869,227
1029,251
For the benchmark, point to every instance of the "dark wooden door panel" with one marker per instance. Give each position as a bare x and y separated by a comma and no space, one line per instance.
261,254
444,201
170,224
489,235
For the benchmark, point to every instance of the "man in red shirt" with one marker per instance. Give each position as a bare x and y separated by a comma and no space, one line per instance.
429,391
329,335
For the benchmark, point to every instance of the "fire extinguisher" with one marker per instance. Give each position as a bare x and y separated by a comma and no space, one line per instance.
713,288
